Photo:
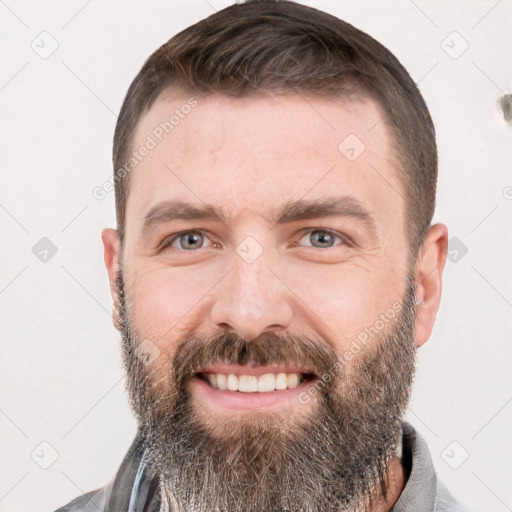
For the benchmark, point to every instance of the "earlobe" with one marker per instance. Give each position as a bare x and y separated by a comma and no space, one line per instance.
112,258
428,280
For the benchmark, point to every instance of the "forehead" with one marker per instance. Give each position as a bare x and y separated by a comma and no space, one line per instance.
251,155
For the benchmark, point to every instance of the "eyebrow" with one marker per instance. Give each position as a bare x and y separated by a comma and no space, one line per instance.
345,206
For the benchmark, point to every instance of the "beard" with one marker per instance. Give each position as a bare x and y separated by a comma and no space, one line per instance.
329,453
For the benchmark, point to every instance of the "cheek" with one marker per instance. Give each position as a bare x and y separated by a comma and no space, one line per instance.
166,300
347,299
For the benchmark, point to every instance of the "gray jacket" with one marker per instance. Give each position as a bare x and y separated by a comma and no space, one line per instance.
134,490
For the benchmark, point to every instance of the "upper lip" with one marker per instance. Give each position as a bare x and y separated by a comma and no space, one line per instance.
252,370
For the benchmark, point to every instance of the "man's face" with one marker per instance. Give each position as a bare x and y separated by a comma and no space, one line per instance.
326,276
317,290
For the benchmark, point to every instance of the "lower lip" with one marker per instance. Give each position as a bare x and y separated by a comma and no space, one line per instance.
240,401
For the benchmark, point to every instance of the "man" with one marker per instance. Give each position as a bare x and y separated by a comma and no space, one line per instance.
273,270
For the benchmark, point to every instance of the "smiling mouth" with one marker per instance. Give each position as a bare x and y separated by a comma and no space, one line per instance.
236,389
266,382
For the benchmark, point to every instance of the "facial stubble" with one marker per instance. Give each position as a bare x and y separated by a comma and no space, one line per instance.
330,454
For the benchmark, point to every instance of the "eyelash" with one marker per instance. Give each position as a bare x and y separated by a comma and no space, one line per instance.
168,241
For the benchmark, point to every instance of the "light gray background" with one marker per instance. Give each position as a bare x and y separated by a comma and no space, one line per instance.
61,379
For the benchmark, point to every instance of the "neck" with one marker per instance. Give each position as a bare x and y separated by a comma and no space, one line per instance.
397,479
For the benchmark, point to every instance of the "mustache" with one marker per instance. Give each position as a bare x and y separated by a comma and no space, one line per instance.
313,356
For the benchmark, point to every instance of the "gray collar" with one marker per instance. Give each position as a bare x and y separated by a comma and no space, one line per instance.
420,492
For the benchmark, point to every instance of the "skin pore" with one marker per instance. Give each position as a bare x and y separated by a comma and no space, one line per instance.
268,281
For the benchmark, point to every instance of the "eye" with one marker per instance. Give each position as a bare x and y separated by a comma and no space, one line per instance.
323,239
186,241
196,239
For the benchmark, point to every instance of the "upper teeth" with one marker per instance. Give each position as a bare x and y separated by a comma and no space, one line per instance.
252,383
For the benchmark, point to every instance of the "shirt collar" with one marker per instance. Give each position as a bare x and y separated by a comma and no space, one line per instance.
420,491
134,488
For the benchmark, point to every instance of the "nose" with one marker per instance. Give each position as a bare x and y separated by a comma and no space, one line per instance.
251,300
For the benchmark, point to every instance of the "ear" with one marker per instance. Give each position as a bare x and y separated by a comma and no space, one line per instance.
428,280
112,257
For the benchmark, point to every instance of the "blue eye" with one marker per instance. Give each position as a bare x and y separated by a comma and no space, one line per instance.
195,239
322,239
187,241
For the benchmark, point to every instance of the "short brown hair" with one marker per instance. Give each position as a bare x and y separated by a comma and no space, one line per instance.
282,47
